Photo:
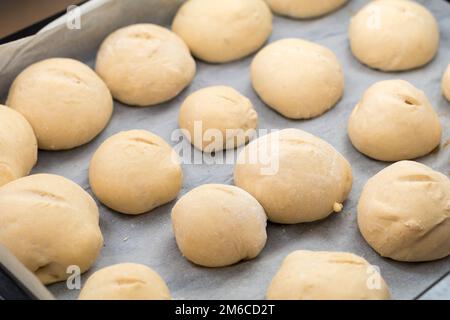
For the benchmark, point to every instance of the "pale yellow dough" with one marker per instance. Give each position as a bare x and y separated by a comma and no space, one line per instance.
125,281
134,172
217,111
145,64
404,212
319,275
297,78
219,225
222,31
394,121
49,223
65,102
18,146
296,176
304,8
446,83
394,35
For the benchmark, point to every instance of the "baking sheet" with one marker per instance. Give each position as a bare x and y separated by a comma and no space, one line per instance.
148,238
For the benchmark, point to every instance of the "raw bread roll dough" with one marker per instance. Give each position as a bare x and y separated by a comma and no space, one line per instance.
296,176
125,281
446,83
49,223
134,172
404,212
394,121
220,115
219,225
66,103
18,146
394,35
145,64
304,8
316,275
298,78
222,31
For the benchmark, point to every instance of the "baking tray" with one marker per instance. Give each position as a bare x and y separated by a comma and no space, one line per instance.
148,238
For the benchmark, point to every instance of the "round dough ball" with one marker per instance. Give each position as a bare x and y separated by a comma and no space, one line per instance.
134,172
125,281
394,35
217,118
304,8
446,83
316,275
219,225
296,176
49,223
297,78
145,64
394,121
66,103
221,31
18,146
403,212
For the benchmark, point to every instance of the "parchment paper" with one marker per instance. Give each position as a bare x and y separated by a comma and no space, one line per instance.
148,238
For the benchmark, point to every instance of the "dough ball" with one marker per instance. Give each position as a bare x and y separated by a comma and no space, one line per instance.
297,78
304,8
219,225
145,64
394,121
394,35
65,102
217,118
49,223
134,172
125,281
403,212
446,83
296,176
222,31
18,146
316,275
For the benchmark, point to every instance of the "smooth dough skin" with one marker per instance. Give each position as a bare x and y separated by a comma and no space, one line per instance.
221,31
49,223
304,8
18,146
219,225
394,35
319,275
134,172
145,64
65,102
296,176
125,281
404,212
394,121
446,83
297,78
221,109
